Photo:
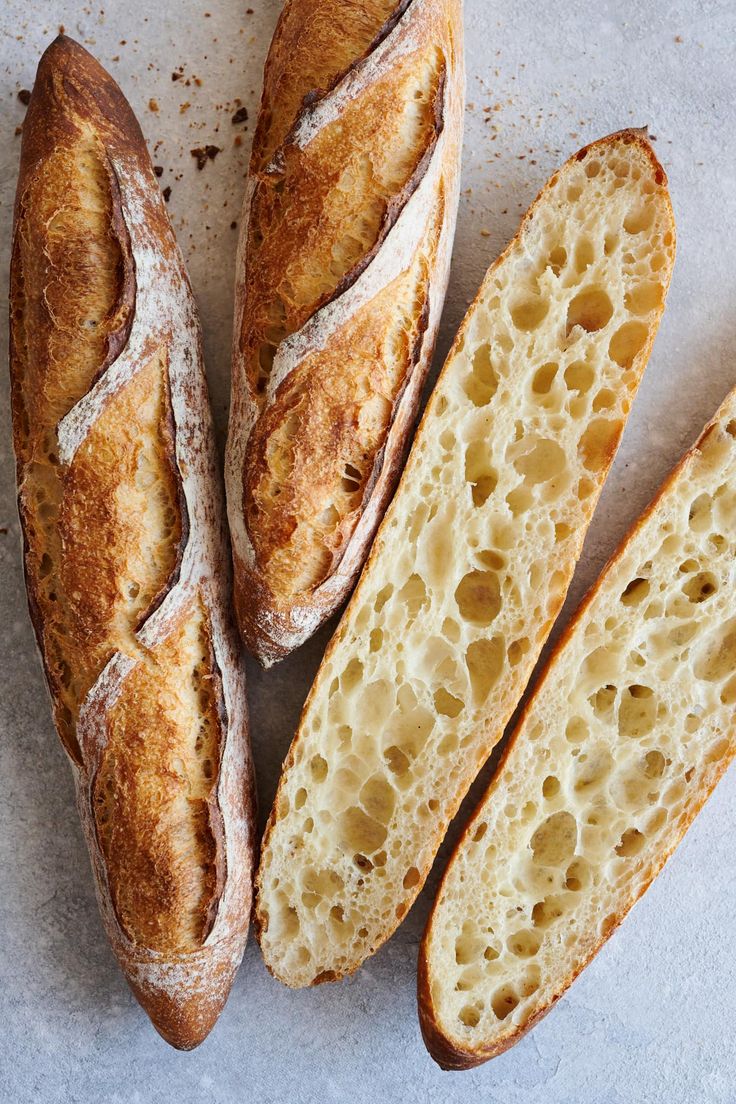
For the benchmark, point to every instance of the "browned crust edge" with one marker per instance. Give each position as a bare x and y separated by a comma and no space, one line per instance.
252,596
317,94
94,96
444,1050
395,205
638,137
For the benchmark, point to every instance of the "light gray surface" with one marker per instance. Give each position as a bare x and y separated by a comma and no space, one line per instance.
652,1018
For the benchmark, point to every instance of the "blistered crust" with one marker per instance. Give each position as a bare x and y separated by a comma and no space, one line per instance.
124,547
356,161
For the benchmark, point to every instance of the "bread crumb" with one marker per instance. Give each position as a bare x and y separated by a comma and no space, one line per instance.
203,154
153,105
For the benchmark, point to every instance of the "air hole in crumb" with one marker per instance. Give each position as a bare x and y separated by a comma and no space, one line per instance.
318,768
481,385
544,378
579,377
557,259
636,591
479,472
478,597
504,1001
639,219
529,313
411,878
554,841
701,587
469,1016
627,343
598,443
523,944
446,703
644,298
591,309
631,843
484,659
550,786
397,761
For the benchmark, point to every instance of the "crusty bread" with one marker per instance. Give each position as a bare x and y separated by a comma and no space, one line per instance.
621,744
343,261
471,564
125,554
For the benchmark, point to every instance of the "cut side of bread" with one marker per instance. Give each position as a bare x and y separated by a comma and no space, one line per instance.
622,743
471,564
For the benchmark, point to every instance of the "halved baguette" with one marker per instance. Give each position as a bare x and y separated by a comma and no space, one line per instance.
623,741
471,564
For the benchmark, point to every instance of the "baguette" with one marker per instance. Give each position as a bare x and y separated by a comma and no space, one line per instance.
125,553
624,739
471,564
343,262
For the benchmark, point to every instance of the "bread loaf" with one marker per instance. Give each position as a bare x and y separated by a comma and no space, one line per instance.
471,564
343,262
125,554
624,739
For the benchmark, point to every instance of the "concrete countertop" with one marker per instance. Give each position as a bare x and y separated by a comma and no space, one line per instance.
651,1020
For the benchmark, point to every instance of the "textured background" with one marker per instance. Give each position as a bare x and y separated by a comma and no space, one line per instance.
652,1018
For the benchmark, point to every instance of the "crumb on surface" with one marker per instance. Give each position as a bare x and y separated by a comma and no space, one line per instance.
203,154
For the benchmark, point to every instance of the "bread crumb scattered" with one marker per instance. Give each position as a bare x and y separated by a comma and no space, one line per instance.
203,154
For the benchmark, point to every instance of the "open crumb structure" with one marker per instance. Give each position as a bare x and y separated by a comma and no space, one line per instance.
626,737
471,564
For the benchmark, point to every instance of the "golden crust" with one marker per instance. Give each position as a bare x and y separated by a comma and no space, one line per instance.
444,1050
124,550
331,344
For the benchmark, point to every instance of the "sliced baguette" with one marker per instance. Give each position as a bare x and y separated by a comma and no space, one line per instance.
472,563
622,743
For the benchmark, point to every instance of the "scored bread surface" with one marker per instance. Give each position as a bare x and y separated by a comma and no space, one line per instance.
342,268
624,740
471,564
125,554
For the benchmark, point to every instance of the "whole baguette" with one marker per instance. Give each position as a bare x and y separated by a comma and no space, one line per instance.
125,553
624,739
342,268
471,564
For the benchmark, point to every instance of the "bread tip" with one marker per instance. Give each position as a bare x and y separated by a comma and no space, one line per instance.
183,1020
